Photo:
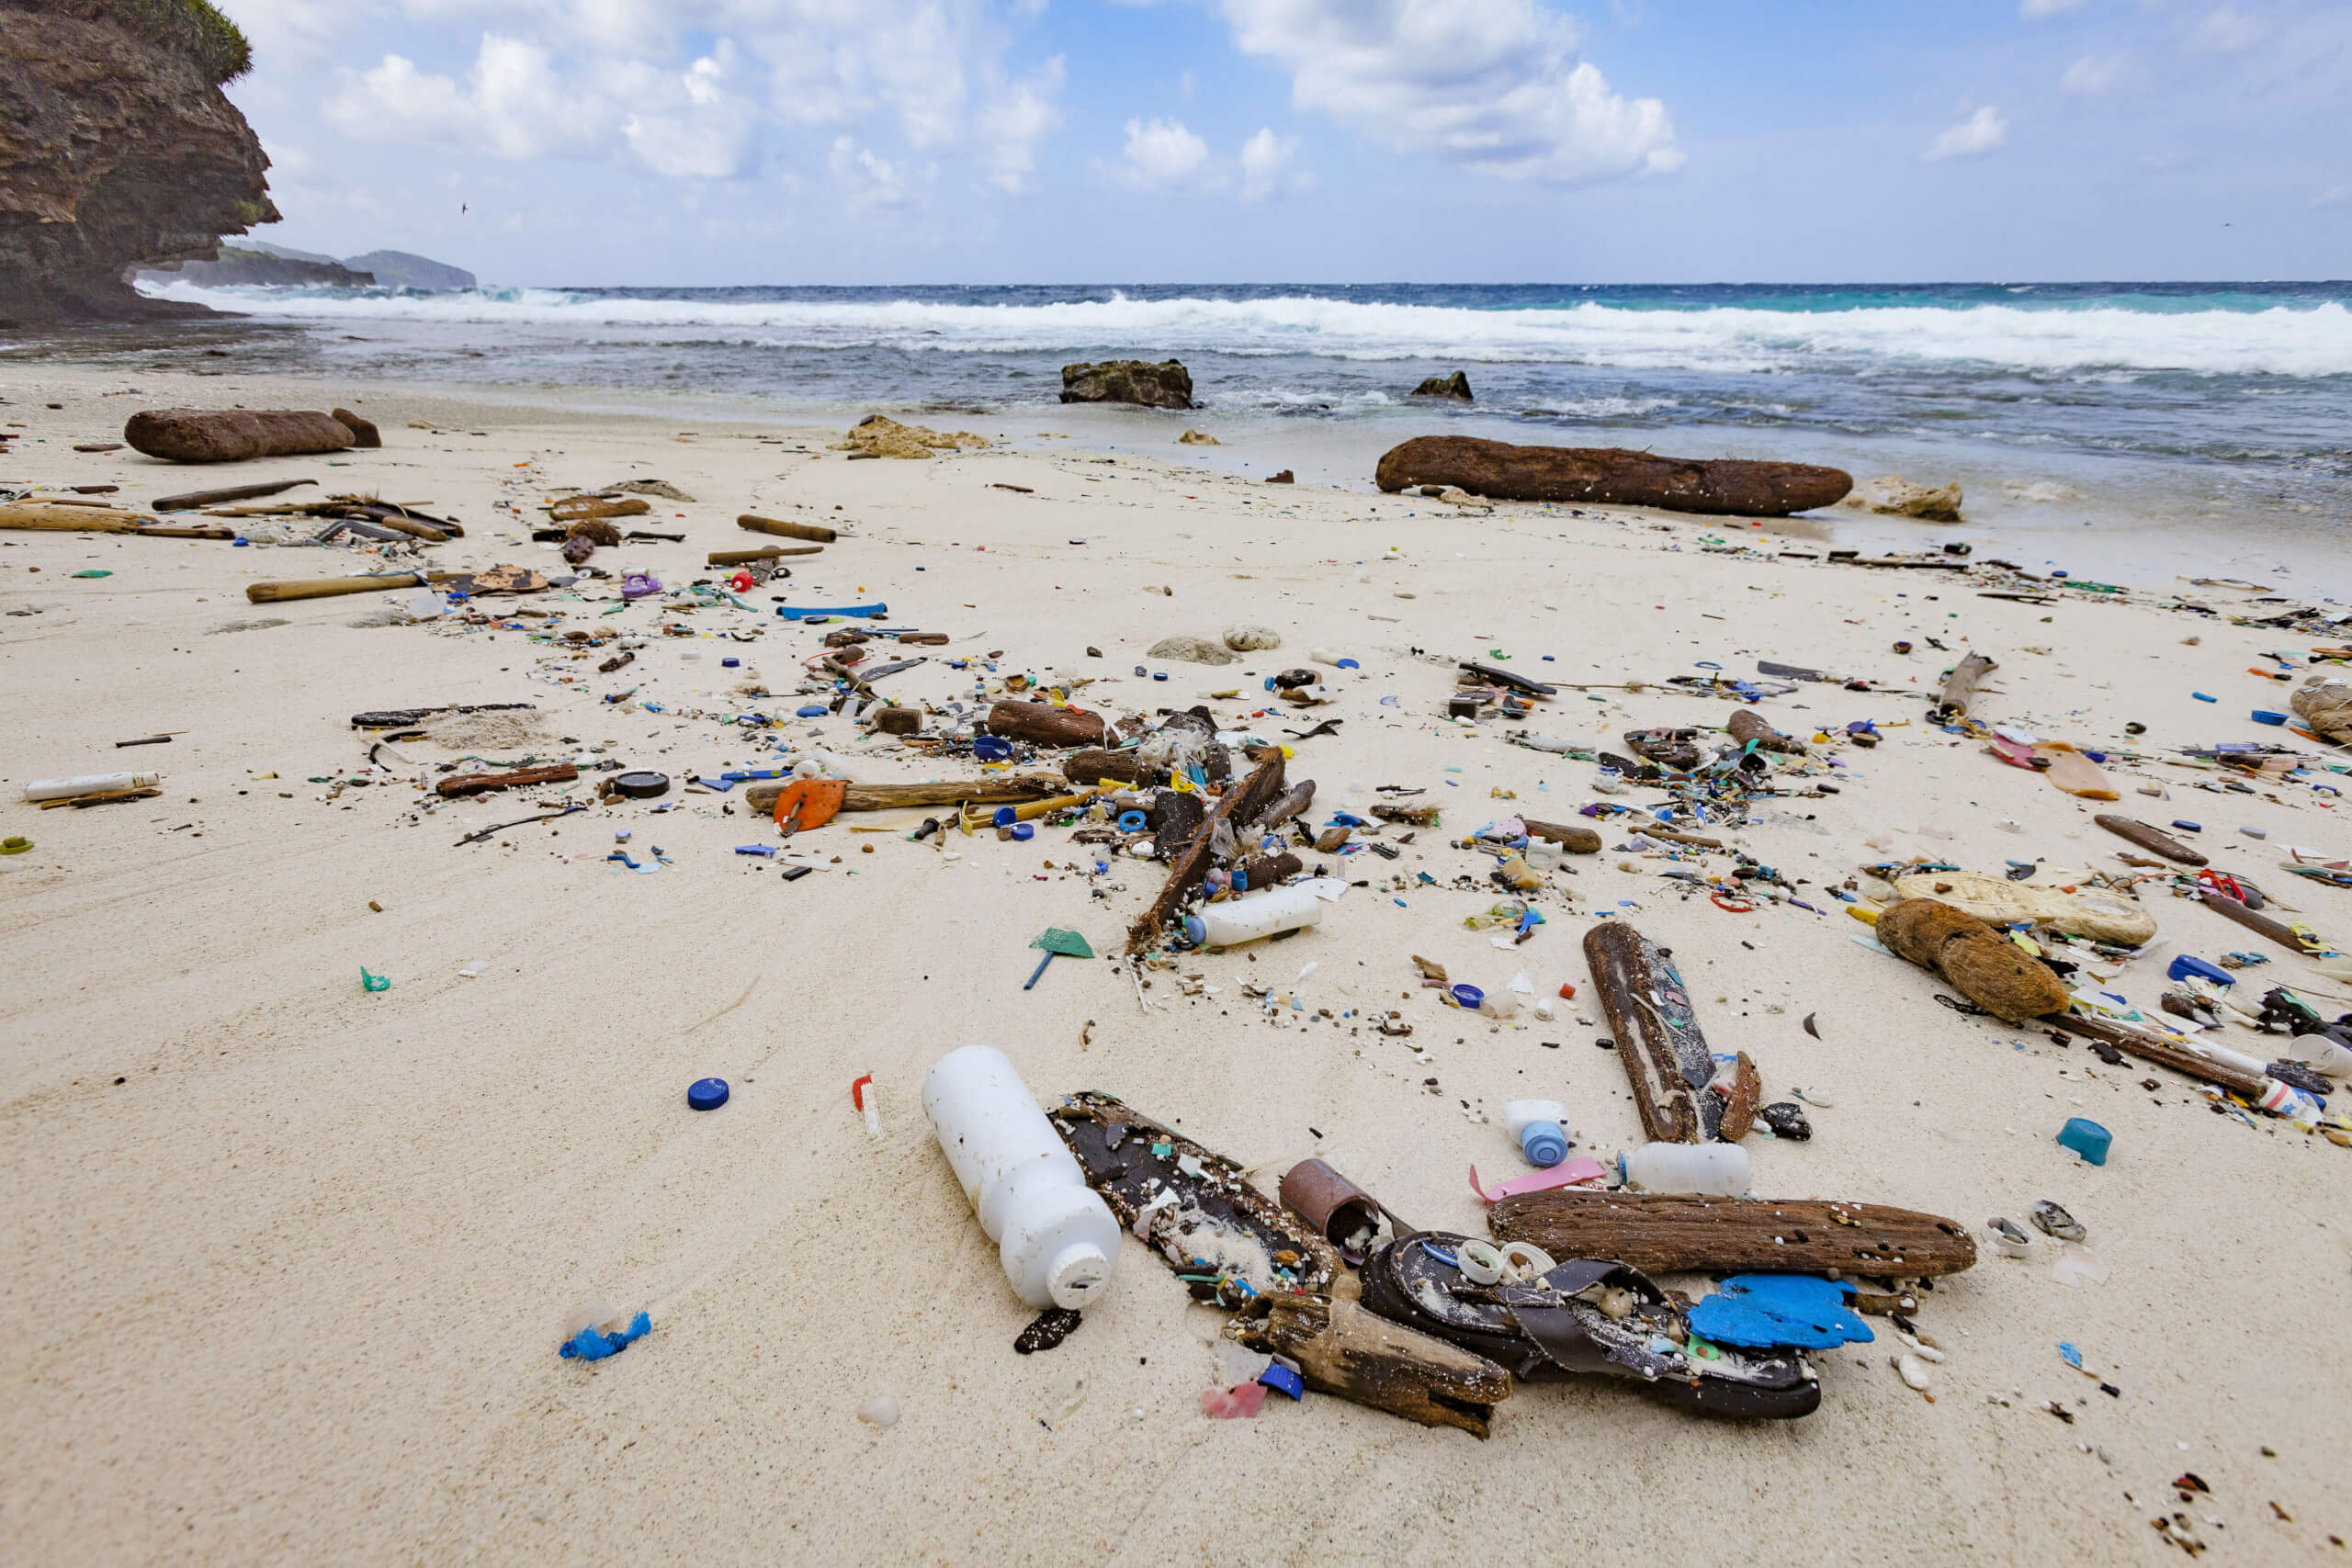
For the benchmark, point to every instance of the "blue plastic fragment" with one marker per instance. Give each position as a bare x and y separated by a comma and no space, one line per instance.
2183,966
2071,1354
767,850
991,749
2203,698
802,613
595,1343
1281,1379
707,1094
1761,1311
2186,826
1349,664
810,710
2266,716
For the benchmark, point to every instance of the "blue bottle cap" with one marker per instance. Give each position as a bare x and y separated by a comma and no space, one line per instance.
1543,1144
1469,997
2086,1138
992,748
810,710
707,1094
1022,832
1003,817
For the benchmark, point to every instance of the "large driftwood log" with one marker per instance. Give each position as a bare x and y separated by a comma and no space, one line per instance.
785,528
1610,475
1187,866
1959,688
229,436
1344,1350
1002,789
1042,723
1668,1231
745,557
1666,1058
2163,1053
329,587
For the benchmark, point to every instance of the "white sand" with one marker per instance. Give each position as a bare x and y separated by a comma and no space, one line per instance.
286,1264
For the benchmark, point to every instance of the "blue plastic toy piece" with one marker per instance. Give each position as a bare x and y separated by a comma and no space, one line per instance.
1762,1311
595,1343
1281,1379
2265,715
2086,1138
707,1094
2184,966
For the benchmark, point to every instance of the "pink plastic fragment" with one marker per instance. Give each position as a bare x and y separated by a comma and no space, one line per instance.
1239,1403
1568,1173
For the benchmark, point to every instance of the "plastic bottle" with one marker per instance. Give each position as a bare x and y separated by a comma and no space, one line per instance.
1542,1128
89,783
1055,1236
1718,1170
1231,922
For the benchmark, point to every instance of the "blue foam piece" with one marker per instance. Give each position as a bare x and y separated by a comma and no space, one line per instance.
1763,1311
595,1343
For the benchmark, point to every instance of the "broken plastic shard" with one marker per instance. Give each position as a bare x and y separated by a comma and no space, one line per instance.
2051,1219
2079,1265
2008,1236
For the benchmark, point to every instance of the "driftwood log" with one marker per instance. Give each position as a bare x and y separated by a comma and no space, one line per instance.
477,784
1344,1350
1095,764
2149,839
1669,1231
1568,836
587,508
229,436
58,517
1746,725
2163,1053
1042,723
1242,803
2253,920
1667,1059
1677,836
1610,475
1002,789
745,557
195,498
329,587
1959,688
783,528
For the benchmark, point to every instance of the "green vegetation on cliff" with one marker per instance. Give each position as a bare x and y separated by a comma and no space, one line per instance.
209,38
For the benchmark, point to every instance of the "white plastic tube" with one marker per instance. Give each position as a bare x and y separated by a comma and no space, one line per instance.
1230,921
1716,1171
1055,1236
89,783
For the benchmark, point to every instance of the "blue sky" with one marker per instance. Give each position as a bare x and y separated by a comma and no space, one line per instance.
728,142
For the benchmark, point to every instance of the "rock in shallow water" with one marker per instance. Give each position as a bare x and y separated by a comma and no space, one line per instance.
1167,385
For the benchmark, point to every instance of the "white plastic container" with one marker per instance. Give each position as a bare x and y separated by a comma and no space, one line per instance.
1056,1237
1230,921
1716,1171
1540,1128
89,783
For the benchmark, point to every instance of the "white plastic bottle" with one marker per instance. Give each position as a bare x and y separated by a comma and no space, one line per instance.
1056,1237
89,783
1716,1171
1230,921
1540,1128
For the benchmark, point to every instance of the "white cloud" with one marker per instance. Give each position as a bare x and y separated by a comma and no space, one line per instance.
2226,29
873,181
1264,159
2096,74
1161,153
2039,10
688,85
1494,85
512,105
1980,132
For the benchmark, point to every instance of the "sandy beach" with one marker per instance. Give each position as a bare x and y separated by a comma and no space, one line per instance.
287,1261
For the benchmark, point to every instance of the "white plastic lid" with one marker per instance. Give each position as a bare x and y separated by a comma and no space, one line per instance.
1079,1270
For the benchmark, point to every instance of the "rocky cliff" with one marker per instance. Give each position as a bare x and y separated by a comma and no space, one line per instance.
238,265
117,146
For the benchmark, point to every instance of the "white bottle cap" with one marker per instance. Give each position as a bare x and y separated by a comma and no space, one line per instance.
1079,1271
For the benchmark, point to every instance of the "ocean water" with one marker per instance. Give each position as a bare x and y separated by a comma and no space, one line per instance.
2211,418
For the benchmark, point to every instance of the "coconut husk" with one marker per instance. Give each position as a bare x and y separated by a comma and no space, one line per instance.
1982,964
595,530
